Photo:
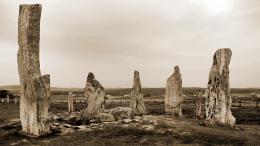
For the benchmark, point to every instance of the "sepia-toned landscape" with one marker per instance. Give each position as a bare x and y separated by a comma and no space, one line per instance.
37,112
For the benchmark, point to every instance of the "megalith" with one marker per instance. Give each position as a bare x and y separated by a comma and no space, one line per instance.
217,97
7,99
34,88
95,94
199,100
137,99
173,94
70,102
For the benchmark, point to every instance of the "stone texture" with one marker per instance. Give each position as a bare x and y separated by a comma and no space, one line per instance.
218,98
34,89
137,100
95,95
121,112
173,95
7,99
70,102
199,101
104,117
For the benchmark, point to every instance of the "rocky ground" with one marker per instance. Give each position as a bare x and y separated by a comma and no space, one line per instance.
125,129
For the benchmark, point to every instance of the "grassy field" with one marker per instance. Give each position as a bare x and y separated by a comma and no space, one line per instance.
187,130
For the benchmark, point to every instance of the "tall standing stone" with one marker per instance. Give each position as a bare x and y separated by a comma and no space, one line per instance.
95,95
137,100
199,101
34,88
7,99
173,95
15,100
218,98
70,102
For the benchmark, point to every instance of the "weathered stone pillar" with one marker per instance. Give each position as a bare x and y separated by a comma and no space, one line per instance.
95,95
7,99
34,88
15,100
173,95
218,98
199,101
70,102
137,100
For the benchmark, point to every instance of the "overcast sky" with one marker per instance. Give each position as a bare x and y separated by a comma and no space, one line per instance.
112,38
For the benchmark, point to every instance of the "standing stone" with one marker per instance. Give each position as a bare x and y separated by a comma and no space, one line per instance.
70,102
137,100
173,95
34,88
15,100
7,99
218,98
199,101
95,95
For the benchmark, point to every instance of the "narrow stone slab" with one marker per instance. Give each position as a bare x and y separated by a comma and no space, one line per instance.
34,89
199,101
70,102
173,95
137,100
218,98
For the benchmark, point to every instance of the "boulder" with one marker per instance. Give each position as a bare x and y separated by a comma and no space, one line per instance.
104,117
122,112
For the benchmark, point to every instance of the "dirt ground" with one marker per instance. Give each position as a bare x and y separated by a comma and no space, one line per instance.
187,130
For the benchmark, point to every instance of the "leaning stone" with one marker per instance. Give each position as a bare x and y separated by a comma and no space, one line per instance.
218,98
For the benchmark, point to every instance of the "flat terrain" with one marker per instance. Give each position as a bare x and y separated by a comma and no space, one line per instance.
187,130
156,128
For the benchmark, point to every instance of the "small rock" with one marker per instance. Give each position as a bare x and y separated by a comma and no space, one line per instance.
148,127
66,131
161,131
127,120
137,120
122,113
67,125
137,117
103,117
56,124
